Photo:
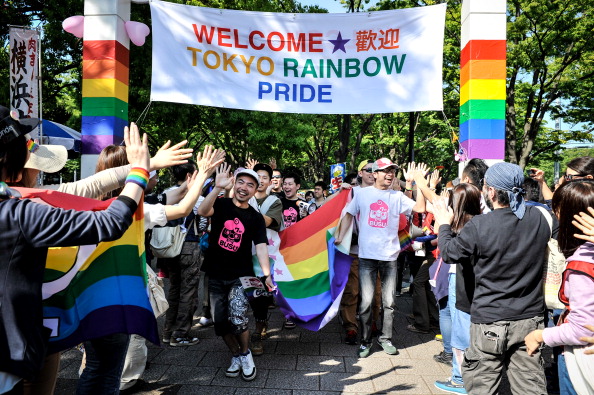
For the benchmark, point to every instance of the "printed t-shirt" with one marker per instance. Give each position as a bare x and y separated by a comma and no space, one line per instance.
233,229
291,211
274,212
379,216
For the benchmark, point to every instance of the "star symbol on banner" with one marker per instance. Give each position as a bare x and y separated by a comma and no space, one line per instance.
270,242
278,272
339,43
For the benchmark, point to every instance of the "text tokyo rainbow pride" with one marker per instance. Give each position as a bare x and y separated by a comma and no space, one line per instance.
223,37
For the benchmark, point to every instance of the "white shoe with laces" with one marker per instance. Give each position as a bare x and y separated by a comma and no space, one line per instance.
233,370
248,367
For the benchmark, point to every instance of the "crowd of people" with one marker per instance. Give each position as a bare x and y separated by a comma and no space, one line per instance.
476,249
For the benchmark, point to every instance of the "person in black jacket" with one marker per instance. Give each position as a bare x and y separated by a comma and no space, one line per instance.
506,248
28,230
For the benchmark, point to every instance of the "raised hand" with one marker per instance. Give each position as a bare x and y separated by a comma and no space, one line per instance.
409,172
585,223
272,163
434,179
168,156
209,159
422,167
445,195
537,174
251,163
190,180
136,149
443,214
224,179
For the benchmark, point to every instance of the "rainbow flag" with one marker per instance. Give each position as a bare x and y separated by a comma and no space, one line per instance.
310,271
95,290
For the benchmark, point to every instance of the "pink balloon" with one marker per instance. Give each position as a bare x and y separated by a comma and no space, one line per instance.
137,32
74,25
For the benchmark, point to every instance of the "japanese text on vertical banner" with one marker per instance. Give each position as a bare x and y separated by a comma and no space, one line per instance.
24,67
377,62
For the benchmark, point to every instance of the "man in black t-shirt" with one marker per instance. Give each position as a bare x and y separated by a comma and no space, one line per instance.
234,226
294,209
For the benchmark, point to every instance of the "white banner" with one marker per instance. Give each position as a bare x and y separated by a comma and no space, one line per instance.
24,68
376,62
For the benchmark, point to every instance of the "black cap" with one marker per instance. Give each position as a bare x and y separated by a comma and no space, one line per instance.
11,127
265,167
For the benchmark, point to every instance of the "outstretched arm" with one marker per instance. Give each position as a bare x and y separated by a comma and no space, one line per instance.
206,162
222,181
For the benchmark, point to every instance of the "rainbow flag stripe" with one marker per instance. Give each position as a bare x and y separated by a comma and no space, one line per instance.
310,271
97,290
483,79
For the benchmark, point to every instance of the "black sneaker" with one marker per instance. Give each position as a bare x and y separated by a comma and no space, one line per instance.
444,357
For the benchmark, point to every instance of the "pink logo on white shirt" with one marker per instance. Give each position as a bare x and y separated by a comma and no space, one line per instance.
231,234
378,214
290,216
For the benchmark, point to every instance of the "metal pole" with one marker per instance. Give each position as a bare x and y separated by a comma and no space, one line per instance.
411,136
40,93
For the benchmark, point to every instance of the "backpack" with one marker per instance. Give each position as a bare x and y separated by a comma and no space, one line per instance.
167,242
553,269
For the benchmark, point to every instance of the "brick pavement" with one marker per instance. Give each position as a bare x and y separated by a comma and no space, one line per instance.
296,362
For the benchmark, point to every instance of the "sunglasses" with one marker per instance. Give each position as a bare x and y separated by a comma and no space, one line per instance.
569,177
368,170
277,177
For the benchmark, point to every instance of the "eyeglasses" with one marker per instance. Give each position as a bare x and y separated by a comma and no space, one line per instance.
368,170
388,170
277,177
569,177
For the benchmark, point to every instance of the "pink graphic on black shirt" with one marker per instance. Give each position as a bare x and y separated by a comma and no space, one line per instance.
230,238
290,216
378,214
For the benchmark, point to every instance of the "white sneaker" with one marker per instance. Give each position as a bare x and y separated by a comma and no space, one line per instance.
248,368
233,370
205,321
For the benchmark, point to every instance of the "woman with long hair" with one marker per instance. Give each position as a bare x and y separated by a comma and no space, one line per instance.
577,291
28,230
464,202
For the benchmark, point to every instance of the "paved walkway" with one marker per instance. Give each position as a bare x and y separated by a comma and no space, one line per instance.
296,362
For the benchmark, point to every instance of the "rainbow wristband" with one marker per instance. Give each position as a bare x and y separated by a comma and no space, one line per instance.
138,176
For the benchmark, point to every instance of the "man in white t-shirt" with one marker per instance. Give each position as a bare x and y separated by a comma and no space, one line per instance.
379,210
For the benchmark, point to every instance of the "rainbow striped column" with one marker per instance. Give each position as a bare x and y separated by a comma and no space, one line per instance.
106,50
482,79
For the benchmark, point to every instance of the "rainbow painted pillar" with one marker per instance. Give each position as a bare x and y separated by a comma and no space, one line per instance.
106,49
483,79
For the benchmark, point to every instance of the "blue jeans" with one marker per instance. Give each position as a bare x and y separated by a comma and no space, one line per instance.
565,386
460,329
368,271
105,362
445,319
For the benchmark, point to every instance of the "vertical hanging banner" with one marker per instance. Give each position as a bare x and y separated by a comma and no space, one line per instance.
24,68
376,62
337,175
